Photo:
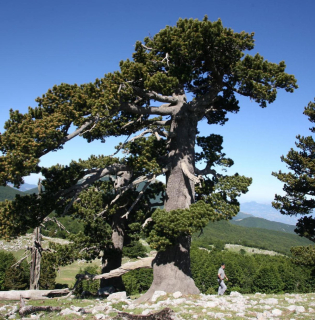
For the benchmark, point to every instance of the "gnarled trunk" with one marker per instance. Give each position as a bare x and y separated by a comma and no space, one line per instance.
171,268
113,260
36,260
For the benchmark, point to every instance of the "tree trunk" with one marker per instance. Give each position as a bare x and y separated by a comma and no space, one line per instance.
171,268
36,260
113,260
32,294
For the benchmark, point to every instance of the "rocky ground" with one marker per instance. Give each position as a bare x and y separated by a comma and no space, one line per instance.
233,306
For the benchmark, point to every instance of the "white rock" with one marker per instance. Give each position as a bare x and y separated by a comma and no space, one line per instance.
67,311
272,301
12,316
276,312
117,296
235,294
311,310
219,315
179,301
195,316
157,294
145,312
211,304
291,308
299,309
100,316
177,294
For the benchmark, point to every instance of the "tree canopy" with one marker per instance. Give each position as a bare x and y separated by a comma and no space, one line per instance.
146,100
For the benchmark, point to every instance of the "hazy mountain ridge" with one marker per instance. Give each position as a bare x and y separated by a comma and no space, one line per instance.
255,222
266,211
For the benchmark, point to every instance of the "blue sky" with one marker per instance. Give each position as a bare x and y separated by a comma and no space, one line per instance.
48,42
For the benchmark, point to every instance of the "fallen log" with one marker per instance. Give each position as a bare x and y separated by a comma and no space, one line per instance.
129,266
32,294
24,310
165,314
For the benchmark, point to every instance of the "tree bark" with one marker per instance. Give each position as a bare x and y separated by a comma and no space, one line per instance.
171,268
113,260
36,260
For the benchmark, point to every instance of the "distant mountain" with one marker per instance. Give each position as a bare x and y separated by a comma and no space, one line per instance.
9,193
266,211
24,187
242,215
254,222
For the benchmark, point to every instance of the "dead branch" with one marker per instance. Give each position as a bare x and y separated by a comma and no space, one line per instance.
146,222
139,197
32,294
138,264
24,310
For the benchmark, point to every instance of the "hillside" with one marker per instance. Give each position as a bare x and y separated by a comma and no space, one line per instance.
9,193
254,222
226,232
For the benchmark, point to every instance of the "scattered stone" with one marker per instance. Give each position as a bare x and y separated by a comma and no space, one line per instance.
299,309
117,296
100,316
177,294
235,294
276,312
68,311
157,294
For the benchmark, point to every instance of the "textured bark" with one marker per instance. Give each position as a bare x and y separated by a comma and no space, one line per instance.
36,250
129,266
165,314
171,268
32,294
113,261
31,309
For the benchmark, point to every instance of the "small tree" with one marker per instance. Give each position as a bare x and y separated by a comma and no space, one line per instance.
299,185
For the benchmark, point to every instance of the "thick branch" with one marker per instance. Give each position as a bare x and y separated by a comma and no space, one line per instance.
142,263
163,110
152,95
190,176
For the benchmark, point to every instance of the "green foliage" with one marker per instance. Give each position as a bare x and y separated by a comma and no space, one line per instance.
167,227
299,182
137,281
12,278
48,271
267,280
250,273
251,237
86,285
134,249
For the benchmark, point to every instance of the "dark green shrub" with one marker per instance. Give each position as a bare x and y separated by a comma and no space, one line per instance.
138,281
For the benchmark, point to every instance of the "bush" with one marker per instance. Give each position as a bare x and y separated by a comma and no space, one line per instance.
15,278
86,285
138,281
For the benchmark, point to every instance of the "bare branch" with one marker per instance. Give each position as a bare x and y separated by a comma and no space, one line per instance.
167,59
138,264
152,95
207,170
145,47
146,222
20,261
162,110
190,176
139,197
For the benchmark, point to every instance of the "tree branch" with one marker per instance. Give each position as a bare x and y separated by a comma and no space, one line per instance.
190,176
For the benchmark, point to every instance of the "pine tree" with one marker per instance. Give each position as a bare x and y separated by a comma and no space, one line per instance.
299,186
201,58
